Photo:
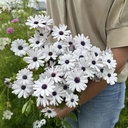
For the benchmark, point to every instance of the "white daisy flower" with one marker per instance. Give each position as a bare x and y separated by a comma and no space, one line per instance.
37,124
84,65
60,32
82,42
24,76
67,62
47,21
43,101
19,47
95,50
22,90
49,53
77,80
69,41
57,95
43,87
34,59
49,112
72,100
7,114
80,53
43,122
110,77
54,74
95,62
59,47
35,22
37,41
108,60
8,82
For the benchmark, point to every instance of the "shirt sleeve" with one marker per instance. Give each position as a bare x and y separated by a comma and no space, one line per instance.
117,24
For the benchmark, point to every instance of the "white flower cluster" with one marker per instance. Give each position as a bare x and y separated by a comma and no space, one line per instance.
7,114
39,123
4,42
67,64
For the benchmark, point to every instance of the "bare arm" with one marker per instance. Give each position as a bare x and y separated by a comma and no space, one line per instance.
121,57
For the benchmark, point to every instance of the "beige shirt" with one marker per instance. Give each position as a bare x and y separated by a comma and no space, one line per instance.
104,21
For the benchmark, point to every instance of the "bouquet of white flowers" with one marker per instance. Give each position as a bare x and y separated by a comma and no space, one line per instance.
57,71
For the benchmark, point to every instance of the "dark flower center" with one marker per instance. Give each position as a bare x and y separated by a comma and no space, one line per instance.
67,61
41,34
7,83
36,22
109,75
59,46
96,54
101,70
25,77
61,33
72,100
41,97
109,61
34,58
20,47
23,87
37,42
82,43
70,43
49,111
44,86
93,62
77,80
65,87
54,93
53,74
83,68
81,56
50,53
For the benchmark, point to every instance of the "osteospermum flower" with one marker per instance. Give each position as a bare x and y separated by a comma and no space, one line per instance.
43,101
43,122
24,76
38,40
59,47
34,59
77,80
95,62
95,50
57,95
35,22
67,62
82,42
54,74
43,87
47,21
80,53
49,53
108,60
84,65
49,112
7,114
37,124
69,41
19,47
72,100
8,82
60,32
110,77
22,90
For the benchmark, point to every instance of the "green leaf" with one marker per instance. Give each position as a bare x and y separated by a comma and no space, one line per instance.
66,124
72,116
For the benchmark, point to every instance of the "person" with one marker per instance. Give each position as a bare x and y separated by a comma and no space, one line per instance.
106,24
